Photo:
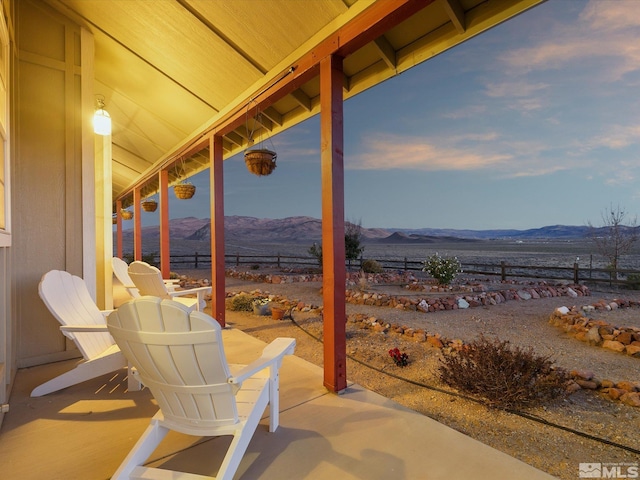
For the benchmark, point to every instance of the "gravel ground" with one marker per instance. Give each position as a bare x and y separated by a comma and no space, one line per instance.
608,426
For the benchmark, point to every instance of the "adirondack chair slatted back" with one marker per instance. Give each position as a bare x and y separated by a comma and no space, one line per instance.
121,271
148,279
179,356
69,301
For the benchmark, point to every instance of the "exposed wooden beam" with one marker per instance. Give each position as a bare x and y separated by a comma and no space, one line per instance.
273,115
456,14
233,137
265,122
386,51
302,98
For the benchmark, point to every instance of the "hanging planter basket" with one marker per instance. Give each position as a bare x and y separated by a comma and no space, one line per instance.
149,205
184,191
126,214
261,161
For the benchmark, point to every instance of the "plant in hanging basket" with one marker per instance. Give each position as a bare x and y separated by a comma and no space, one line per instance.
184,191
260,161
126,214
149,205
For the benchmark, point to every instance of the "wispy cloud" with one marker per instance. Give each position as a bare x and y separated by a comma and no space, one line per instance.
605,29
470,111
514,89
618,136
386,152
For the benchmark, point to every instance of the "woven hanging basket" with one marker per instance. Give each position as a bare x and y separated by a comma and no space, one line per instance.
260,161
126,214
149,205
184,191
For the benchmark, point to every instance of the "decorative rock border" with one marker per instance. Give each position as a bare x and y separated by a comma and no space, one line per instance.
454,302
472,296
598,332
625,391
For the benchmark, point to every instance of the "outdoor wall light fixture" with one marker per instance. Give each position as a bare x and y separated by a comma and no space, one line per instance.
101,119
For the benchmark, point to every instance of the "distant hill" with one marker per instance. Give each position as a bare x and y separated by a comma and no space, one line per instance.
309,229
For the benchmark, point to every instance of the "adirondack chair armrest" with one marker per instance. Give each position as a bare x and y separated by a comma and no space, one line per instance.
177,293
83,328
271,356
198,291
170,281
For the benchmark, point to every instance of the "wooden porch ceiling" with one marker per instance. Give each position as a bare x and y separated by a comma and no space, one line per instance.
173,71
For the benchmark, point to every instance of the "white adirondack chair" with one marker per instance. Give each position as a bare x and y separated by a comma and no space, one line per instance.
148,281
180,357
69,301
121,271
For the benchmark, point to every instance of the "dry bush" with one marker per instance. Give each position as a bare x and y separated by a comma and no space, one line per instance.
501,375
240,303
371,266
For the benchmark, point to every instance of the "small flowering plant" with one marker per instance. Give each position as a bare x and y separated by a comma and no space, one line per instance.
401,359
443,269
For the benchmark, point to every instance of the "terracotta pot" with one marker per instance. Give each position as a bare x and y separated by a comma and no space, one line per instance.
277,313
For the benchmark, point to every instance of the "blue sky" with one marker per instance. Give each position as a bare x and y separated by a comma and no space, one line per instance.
533,123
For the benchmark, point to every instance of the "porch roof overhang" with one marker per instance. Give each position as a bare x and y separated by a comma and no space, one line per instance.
173,72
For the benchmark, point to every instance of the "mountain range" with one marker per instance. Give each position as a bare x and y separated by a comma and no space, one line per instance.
308,229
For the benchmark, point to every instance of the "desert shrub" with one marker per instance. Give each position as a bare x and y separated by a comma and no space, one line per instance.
255,267
315,250
371,266
502,375
240,303
443,269
633,281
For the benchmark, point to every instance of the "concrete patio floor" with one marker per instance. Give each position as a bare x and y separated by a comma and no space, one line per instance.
84,432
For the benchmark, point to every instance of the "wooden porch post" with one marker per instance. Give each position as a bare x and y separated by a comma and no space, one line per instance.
333,250
217,230
163,193
118,228
137,225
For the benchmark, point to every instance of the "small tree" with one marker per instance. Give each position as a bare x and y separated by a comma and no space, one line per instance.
315,250
614,239
352,240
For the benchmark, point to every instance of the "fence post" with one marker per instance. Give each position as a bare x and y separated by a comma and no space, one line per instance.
406,265
196,265
278,260
503,270
575,273
237,259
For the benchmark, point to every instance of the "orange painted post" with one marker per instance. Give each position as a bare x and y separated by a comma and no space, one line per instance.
333,250
137,225
163,190
217,230
118,229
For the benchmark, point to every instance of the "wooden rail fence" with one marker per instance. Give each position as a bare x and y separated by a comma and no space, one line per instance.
503,269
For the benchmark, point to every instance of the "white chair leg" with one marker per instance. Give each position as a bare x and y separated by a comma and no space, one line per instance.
274,398
144,447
